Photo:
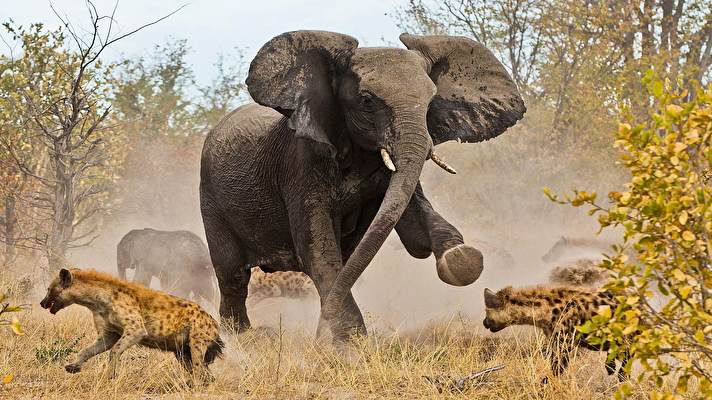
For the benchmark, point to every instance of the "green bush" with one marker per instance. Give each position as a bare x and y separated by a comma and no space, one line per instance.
56,351
665,214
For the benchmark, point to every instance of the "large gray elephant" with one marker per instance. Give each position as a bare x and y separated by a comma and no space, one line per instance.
317,175
179,259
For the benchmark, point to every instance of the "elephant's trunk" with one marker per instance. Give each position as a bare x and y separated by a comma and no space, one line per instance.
410,151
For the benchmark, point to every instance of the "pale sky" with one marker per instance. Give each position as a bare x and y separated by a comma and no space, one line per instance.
213,26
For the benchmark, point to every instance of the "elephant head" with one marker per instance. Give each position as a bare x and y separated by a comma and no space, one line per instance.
396,102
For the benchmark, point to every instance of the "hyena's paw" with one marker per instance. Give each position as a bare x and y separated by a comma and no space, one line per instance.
73,368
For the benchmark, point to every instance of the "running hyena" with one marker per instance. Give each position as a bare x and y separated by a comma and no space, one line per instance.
127,314
290,284
557,311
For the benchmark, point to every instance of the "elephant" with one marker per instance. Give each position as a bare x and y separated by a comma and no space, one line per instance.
316,174
179,259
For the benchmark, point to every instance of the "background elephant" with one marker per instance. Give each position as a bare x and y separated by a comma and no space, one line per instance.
316,176
179,259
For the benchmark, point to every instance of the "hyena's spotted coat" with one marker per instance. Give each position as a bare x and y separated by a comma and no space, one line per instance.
127,314
582,272
557,311
290,284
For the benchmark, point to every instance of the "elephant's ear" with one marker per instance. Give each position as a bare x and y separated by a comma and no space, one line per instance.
293,73
476,99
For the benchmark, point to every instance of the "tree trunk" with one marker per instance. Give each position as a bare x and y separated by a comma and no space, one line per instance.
10,226
63,219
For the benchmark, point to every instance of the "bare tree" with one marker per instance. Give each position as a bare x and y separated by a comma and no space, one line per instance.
67,113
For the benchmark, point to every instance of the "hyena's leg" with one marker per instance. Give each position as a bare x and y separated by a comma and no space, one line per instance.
561,348
198,344
127,340
183,356
622,374
104,341
134,332
610,366
102,344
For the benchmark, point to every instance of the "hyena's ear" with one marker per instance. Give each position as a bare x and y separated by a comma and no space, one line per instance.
492,300
65,277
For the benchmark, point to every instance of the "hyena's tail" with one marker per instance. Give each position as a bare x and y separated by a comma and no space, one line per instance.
215,350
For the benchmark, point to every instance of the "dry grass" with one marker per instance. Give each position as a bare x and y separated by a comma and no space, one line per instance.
275,364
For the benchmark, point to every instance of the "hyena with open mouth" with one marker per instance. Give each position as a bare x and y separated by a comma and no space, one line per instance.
127,314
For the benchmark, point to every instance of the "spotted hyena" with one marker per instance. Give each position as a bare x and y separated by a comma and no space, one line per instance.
127,314
289,284
582,272
557,311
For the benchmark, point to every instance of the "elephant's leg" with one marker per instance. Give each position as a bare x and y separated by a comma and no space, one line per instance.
228,261
412,231
422,230
143,275
314,233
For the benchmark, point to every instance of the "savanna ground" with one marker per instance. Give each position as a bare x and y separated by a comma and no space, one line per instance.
280,358
571,62
269,363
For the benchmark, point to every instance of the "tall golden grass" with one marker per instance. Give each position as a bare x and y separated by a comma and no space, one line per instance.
273,363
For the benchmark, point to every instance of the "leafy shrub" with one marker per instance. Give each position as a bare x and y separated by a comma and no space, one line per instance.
665,213
7,308
56,351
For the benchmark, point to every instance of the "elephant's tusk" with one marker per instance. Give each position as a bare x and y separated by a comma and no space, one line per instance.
442,164
387,160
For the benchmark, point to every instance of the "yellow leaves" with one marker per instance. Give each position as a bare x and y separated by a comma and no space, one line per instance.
686,200
623,129
700,336
682,219
689,236
678,275
16,327
604,311
679,147
631,328
583,198
7,379
685,291
692,136
625,198
673,110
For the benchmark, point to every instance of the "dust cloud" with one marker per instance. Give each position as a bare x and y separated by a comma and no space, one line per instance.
496,197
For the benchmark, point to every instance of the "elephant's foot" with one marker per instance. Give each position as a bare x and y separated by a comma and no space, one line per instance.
346,325
323,332
460,265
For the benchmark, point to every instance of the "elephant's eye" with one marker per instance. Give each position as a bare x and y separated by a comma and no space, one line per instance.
366,101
